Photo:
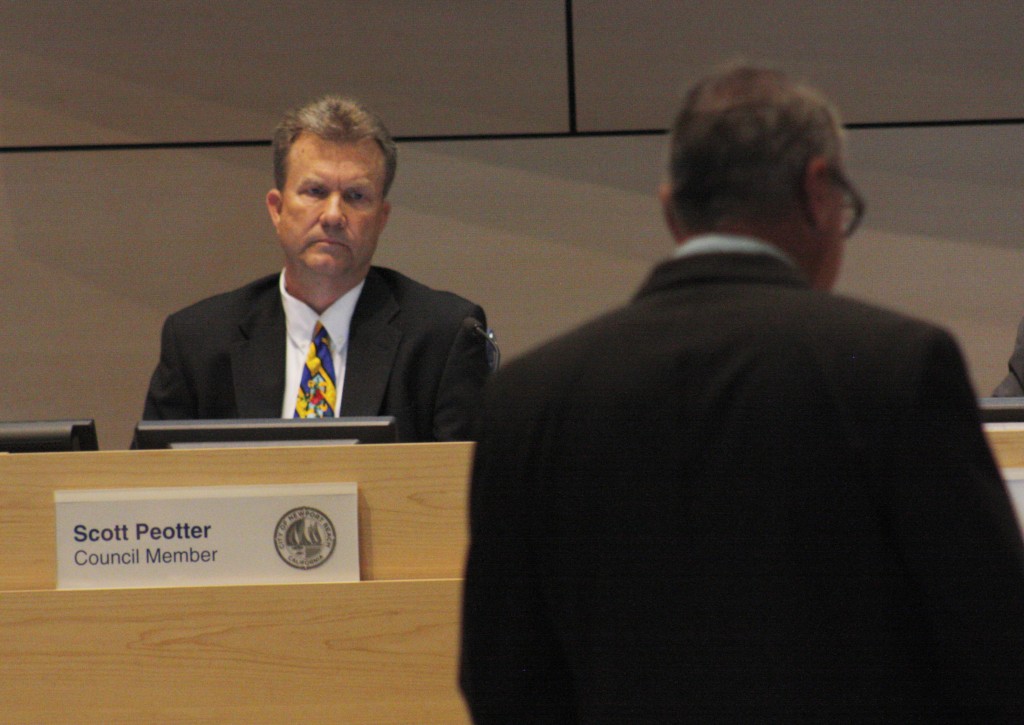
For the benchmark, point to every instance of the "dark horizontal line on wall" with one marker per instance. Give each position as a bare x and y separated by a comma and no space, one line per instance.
145,146
159,145
938,124
518,136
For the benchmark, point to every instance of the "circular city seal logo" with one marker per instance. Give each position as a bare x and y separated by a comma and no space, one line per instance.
305,538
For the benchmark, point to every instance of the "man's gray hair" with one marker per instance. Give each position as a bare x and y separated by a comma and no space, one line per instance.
336,119
740,147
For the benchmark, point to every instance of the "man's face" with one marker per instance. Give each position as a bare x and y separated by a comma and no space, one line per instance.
330,212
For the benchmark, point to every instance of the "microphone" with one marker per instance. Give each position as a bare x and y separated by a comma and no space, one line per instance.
490,341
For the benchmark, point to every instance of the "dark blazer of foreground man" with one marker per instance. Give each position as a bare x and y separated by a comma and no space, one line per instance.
740,498
412,352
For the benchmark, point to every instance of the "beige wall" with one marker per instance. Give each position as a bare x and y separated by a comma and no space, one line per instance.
99,241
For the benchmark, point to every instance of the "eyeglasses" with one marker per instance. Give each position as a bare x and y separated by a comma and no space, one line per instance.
853,202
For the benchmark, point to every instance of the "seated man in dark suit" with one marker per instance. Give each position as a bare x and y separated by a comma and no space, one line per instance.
740,498
1012,386
387,344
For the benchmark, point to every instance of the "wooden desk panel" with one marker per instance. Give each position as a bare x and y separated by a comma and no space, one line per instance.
365,652
1007,446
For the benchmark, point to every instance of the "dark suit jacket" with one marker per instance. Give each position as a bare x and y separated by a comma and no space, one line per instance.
1012,385
410,355
737,499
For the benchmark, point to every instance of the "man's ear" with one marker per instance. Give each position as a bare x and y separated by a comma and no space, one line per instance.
818,190
668,211
274,205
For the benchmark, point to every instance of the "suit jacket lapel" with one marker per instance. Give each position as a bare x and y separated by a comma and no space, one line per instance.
372,346
257,360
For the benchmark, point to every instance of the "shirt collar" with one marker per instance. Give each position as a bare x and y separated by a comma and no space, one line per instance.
301,319
730,244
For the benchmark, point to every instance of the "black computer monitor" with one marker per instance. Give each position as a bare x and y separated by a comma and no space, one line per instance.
48,436
263,431
1001,410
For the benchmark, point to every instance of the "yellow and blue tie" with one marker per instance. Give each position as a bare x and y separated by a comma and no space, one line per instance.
317,394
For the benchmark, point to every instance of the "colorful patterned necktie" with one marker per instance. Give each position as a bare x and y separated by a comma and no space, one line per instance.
317,394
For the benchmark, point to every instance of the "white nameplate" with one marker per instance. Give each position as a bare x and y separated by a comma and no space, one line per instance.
207,535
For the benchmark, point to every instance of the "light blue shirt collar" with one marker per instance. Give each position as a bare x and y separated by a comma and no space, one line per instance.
731,244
